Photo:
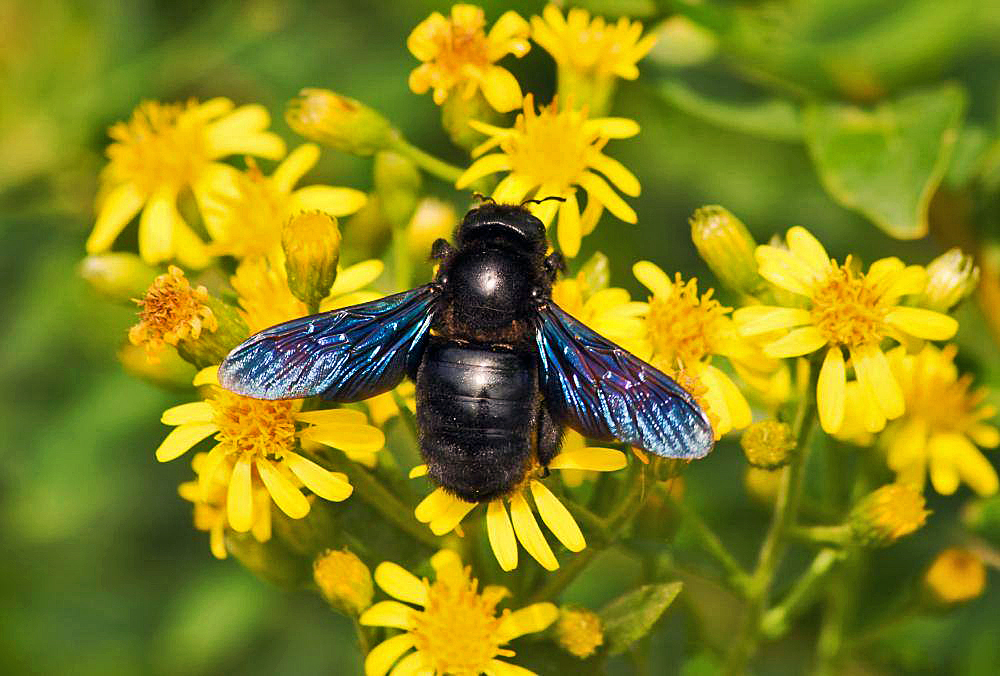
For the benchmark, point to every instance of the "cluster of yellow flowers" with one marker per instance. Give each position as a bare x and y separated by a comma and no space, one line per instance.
810,333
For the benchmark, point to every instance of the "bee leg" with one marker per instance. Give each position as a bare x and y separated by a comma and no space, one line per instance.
441,250
549,437
554,264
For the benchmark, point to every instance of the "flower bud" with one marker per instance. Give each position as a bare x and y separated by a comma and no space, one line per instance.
762,484
951,277
768,444
168,370
397,184
432,220
887,514
172,312
456,112
579,631
595,274
118,276
956,575
727,246
339,122
344,580
311,242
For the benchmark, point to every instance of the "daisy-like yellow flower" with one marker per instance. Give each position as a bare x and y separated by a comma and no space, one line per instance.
443,512
691,329
611,312
844,310
167,148
590,52
209,499
548,154
257,446
454,629
945,421
265,299
459,55
247,210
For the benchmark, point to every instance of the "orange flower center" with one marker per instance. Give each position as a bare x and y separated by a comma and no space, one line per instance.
461,45
847,308
254,427
551,147
171,311
457,629
685,326
162,145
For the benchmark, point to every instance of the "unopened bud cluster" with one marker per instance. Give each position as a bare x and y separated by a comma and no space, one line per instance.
768,444
311,242
727,247
339,122
344,580
887,514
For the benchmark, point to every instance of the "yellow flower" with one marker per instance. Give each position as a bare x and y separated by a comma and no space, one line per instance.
956,575
579,632
887,514
591,45
209,498
943,424
247,210
690,329
590,53
265,299
163,150
257,446
845,310
458,54
548,153
611,312
443,512
383,406
455,628
171,311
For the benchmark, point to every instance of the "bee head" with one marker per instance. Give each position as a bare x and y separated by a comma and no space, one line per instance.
510,222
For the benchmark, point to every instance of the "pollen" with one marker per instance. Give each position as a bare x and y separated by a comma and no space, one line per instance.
172,310
552,147
685,326
458,629
848,308
160,145
253,427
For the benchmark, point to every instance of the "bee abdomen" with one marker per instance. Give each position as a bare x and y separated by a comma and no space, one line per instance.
477,410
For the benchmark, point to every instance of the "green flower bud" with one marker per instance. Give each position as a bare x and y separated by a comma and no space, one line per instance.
339,122
951,277
727,246
768,444
117,276
311,242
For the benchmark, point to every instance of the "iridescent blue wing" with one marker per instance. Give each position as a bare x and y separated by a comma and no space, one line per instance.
345,355
604,392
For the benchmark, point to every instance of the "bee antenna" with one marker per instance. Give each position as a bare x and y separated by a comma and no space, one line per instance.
544,199
481,198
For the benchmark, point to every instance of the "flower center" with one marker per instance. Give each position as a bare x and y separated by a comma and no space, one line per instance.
171,311
461,45
253,217
847,309
934,394
685,326
457,629
162,145
551,147
254,427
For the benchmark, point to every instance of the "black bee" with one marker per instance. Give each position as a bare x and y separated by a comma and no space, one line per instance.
499,368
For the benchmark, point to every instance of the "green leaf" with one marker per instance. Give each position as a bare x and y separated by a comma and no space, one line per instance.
630,617
772,118
887,162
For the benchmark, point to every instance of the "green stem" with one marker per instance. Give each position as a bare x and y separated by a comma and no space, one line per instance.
427,162
712,544
361,635
401,263
773,548
388,505
775,621
839,536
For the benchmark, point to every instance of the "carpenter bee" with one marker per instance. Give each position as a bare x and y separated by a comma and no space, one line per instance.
499,368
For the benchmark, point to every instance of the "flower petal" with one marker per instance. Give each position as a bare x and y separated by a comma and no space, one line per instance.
418,471
758,319
802,244
590,458
569,227
182,438
434,505
294,167
783,268
873,372
611,127
239,498
922,323
597,188
653,278
796,343
941,449
528,620
193,412
972,465
484,166
400,583
385,654
285,494
412,665
388,614
321,481
332,200
500,89
616,173
346,436
332,415
831,391
451,517
529,534
207,376
156,227
498,668
118,208
557,517
501,535
357,276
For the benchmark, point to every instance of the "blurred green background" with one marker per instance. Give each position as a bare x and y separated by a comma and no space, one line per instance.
100,568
